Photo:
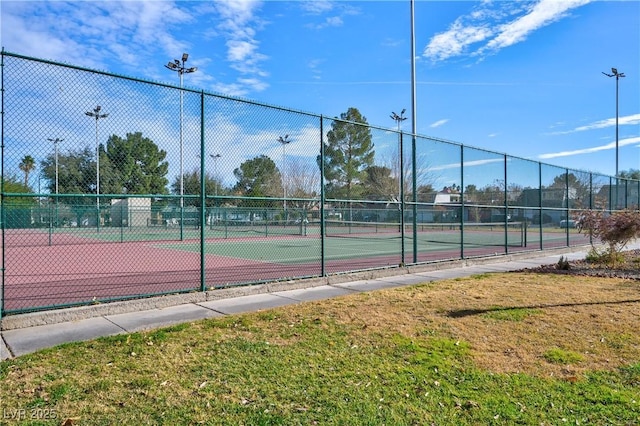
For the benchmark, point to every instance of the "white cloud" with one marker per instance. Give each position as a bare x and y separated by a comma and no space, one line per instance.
92,36
611,145
466,164
239,26
254,83
317,6
609,122
439,123
141,36
497,25
240,50
542,14
337,10
314,66
455,41
334,21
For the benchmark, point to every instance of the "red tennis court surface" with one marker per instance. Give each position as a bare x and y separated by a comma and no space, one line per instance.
77,270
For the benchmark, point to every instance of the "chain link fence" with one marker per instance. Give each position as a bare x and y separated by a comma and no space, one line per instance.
116,188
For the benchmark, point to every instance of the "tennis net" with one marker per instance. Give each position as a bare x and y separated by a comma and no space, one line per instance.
243,228
494,234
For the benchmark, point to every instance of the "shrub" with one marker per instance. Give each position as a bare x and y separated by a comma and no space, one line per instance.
615,230
563,264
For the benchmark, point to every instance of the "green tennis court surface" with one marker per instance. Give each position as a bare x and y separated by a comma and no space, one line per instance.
291,251
294,243
351,240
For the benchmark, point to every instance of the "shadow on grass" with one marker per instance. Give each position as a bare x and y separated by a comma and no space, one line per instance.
461,313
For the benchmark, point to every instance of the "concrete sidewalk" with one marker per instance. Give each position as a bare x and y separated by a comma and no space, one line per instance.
23,334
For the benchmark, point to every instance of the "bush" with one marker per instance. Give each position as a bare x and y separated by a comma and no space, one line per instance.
615,230
563,264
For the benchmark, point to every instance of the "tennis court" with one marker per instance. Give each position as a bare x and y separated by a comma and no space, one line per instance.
79,266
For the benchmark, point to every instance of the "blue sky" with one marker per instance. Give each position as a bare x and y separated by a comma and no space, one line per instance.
522,78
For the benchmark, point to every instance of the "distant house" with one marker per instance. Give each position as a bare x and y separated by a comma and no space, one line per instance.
552,202
445,206
447,196
627,196
549,197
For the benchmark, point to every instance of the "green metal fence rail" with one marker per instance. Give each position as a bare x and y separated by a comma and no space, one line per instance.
115,188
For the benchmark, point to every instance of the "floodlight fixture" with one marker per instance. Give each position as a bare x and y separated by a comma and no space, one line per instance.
284,140
398,118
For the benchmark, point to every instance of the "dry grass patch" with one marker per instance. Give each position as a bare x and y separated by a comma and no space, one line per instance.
510,320
499,348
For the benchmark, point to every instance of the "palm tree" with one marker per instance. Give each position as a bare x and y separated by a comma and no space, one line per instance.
27,165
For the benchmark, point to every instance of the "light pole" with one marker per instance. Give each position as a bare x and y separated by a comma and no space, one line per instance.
55,144
97,115
178,66
215,170
414,130
617,75
399,119
284,141
56,141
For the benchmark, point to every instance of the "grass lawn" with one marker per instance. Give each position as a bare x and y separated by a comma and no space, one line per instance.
501,349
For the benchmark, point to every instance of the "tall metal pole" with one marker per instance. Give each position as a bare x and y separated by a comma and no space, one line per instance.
617,75
97,115
178,66
413,134
215,170
399,119
284,141
55,144
181,145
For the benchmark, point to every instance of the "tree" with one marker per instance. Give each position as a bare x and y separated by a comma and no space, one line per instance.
426,193
76,175
12,184
258,177
76,172
488,195
482,201
133,165
348,153
137,166
630,174
27,164
18,212
578,190
191,183
303,183
380,185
